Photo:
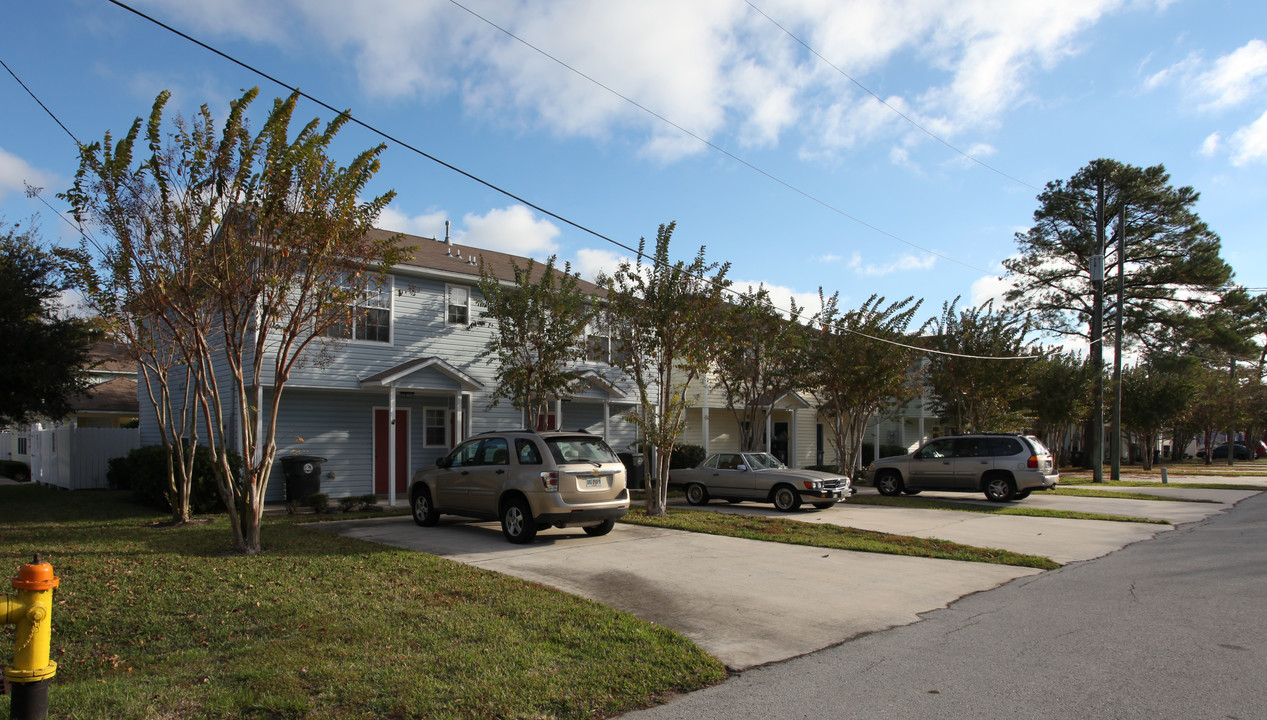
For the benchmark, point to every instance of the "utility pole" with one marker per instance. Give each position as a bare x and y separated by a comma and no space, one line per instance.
1117,344
1231,435
1097,338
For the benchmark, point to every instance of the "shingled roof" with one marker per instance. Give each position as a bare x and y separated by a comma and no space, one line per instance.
433,254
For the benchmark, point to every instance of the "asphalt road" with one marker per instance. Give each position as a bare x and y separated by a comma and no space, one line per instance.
1174,627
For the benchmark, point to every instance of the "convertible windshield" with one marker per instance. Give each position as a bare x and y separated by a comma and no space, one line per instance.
762,461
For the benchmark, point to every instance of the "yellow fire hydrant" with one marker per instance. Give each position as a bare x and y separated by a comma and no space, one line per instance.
32,612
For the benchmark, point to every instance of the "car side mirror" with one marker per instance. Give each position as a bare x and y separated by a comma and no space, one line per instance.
440,462
741,467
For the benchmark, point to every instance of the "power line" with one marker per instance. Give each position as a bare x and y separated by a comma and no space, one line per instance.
713,145
464,173
882,101
41,104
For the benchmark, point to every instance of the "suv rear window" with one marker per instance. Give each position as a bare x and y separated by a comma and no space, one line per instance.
1004,446
580,449
1039,447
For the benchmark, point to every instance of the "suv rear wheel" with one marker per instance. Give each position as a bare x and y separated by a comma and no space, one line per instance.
600,529
517,522
999,488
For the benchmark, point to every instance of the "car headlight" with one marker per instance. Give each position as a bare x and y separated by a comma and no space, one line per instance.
813,484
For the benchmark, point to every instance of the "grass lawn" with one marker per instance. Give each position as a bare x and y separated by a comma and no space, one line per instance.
830,536
160,622
907,501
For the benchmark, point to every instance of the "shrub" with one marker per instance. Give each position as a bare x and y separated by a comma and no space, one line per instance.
359,503
15,470
319,502
686,456
144,472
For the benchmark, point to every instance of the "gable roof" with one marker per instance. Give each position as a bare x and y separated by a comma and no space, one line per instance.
113,396
391,375
438,257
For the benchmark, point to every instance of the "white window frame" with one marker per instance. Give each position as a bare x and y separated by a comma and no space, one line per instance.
444,425
470,293
384,299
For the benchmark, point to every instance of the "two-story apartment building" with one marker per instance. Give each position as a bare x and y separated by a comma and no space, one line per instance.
408,381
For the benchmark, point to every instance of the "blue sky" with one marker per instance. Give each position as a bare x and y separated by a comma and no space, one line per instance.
846,194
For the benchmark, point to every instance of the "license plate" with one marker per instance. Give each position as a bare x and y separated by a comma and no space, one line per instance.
591,482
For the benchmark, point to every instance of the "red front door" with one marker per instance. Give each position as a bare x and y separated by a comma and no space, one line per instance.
381,450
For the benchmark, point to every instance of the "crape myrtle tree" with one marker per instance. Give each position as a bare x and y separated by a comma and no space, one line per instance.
1059,396
277,258
858,363
44,353
1155,394
663,318
1172,263
145,282
537,325
968,392
759,359
1209,411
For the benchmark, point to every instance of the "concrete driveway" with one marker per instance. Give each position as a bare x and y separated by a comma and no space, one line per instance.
746,602
749,602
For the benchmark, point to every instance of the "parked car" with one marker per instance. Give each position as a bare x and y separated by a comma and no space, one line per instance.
528,481
1220,452
759,476
1003,466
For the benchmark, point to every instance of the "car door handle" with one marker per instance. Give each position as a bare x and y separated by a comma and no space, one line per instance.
466,472
501,472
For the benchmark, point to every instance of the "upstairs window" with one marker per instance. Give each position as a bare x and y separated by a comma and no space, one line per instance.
458,304
368,317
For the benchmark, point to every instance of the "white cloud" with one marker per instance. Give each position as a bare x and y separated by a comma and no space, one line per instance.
714,67
990,287
1210,147
590,262
782,297
1249,144
907,261
1236,77
1229,81
515,230
16,173
426,225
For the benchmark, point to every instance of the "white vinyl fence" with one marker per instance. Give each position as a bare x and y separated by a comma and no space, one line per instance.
77,458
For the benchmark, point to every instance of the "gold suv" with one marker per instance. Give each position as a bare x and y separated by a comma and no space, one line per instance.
528,481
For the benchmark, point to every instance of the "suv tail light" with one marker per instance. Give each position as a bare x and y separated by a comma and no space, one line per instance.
1032,463
550,480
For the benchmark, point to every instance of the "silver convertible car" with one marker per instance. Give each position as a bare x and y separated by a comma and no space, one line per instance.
738,476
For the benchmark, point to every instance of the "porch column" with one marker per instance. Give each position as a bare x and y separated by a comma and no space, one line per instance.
791,440
769,429
876,454
607,411
704,417
921,419
391,445
558,414
459,418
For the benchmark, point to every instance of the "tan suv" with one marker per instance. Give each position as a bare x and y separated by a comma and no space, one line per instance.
528,481
1004,466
